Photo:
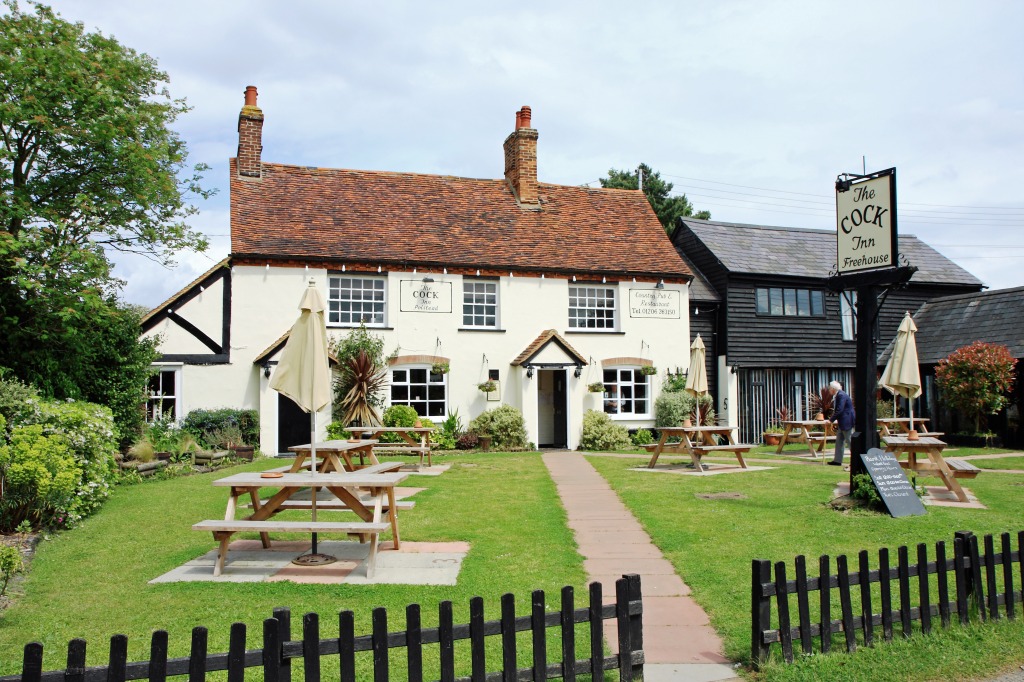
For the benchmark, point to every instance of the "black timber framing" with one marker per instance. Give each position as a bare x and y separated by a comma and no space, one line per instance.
220,353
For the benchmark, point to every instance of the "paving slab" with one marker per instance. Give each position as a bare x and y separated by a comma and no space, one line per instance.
679,642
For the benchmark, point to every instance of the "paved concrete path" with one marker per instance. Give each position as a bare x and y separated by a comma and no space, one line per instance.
679,642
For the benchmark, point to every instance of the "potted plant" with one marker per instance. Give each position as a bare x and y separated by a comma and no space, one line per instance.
440,368
821,404
484,440
596,387
488,386
648,370
772,434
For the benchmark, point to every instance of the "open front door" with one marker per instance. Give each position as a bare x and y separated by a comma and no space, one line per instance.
552,408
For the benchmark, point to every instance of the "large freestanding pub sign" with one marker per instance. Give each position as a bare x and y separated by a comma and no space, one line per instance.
866,222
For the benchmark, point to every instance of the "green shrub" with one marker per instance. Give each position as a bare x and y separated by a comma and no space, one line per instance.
670,409
19,402
398,415
92,439
337,431
505,425
451,429
864,489
40,477
203,424
10,563
601,433
642,437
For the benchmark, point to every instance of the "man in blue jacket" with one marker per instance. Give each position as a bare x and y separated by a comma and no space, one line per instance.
843,418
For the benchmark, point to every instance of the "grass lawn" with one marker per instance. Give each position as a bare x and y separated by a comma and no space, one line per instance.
712,542
1008,462
91,582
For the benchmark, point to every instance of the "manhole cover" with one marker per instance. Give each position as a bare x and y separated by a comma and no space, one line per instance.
721,496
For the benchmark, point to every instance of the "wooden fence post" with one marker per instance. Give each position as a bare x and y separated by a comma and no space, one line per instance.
979,589
596,631
414,642
1008,593
476,640
990,577
347,646
539,637
508,637
760,609
922,588
624,631
380,644
197,655
236,653
782,606
158,656
965,536
32,663
636,624
825,602
962,579
271,650
284,634
568,632
310,647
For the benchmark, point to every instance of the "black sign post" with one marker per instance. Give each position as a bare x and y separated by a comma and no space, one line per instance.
866,262
893,487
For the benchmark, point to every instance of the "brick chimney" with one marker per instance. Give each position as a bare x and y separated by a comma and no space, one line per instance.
521,160
250,135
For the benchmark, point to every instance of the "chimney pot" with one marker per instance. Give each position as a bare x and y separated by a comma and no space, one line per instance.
250,95
521,160
250,136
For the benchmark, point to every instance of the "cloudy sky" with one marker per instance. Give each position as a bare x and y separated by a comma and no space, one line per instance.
750,108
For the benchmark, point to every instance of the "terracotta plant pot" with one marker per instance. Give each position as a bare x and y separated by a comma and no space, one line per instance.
687,423
820,417
912,434
485,442
772,438
418,424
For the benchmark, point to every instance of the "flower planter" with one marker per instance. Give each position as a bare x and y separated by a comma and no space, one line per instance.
485,442
163,456
244,452
772,438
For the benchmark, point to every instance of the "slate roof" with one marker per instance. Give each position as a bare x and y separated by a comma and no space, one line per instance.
407,219
945,324
701,290
799,252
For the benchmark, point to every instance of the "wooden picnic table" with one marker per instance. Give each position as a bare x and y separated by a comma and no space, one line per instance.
349,488
894,426
697,441
809,431
333,455
417,439
933,464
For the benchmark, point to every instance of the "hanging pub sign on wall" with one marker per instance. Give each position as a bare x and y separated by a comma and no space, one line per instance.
866,222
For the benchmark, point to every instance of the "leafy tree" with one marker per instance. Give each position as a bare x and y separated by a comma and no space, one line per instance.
658,191
976,379
88,165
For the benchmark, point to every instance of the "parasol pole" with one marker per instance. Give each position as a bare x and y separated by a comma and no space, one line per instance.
312,456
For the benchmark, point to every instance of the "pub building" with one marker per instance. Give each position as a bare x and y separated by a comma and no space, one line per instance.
544,289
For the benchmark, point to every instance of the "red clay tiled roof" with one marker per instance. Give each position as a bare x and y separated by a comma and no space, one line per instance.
405,219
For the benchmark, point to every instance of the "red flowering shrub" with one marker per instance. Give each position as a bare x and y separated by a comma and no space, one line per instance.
976,379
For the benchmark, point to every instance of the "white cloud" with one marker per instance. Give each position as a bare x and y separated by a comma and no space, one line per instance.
768,95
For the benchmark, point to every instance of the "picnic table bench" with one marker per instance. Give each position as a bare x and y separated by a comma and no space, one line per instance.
698,441
813,432
350,488
417,440
933,463
962,469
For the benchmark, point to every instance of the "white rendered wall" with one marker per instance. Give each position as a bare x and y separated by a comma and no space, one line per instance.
265,304
728,393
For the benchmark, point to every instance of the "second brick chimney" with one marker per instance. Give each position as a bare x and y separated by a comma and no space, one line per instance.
250,136
521,160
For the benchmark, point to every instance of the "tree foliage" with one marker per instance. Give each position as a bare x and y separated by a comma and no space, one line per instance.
659,193
977,379
347,348
88,165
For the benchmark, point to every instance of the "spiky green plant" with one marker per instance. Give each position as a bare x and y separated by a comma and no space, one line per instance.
367,379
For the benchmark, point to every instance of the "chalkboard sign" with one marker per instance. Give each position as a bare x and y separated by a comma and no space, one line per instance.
890,479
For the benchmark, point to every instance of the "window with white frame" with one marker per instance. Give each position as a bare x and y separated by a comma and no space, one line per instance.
848,314
162,395
420,389
356,300
479,303
627,391
592,307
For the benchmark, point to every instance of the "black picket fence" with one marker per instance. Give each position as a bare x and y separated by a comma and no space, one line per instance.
983,584
278,651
